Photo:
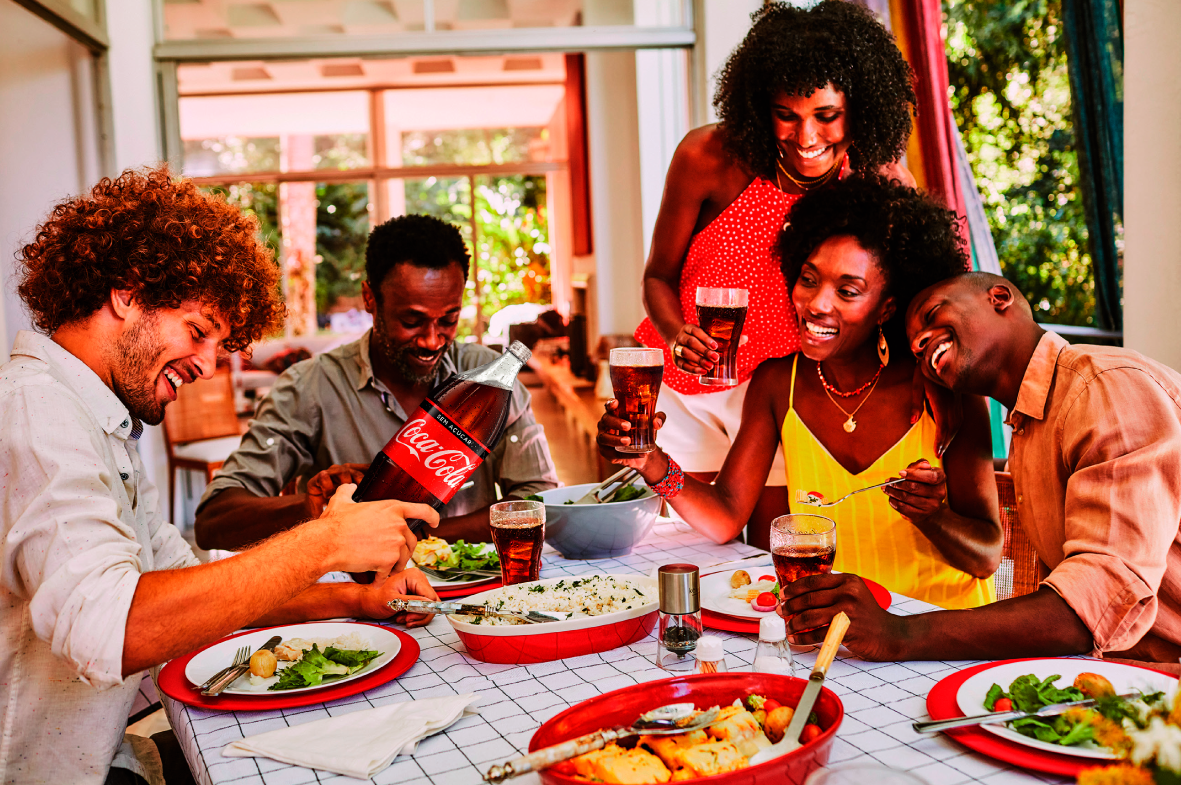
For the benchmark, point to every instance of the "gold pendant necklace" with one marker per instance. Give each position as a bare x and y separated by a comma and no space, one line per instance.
850,424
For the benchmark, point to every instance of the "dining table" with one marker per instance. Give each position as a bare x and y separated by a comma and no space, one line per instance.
881,699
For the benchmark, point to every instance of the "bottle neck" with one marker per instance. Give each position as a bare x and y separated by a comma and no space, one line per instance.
501,372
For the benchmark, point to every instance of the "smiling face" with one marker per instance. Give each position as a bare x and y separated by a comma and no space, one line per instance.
811,131
415,320
159,351
840,300
951,326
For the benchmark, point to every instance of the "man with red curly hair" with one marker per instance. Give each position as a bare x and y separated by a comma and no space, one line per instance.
133,288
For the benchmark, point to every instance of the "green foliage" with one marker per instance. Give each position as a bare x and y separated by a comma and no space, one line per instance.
1010,94
342,226
473,146
513,241
260,200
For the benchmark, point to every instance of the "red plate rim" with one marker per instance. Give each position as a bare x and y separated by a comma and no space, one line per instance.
720,621
942,705
173,683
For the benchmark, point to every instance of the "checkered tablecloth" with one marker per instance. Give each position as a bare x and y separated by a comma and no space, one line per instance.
881,699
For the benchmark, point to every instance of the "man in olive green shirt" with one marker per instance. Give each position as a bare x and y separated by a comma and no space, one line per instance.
326,417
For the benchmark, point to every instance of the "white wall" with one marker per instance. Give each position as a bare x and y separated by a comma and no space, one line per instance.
47,142
1152,179
725,24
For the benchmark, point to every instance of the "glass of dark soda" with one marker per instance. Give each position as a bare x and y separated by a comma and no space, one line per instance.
721,312
518,532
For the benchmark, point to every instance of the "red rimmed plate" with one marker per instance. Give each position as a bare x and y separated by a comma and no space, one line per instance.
466,591
621,707
942,704
172,681
718,621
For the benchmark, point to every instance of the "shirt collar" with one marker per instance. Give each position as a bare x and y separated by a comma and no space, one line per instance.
1039,375
445,368
111,413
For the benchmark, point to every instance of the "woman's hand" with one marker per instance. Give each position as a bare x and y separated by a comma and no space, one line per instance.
922,494
811,603
693,350
613,434
407,584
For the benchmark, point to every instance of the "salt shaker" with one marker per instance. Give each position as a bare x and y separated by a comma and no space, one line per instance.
773,655
680,617
711,657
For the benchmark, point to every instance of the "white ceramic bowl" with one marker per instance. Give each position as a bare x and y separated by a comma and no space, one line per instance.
597,531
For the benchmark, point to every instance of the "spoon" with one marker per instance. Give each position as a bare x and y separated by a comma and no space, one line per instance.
670,720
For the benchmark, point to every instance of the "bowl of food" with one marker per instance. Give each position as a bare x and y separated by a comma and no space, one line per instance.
607,611
718,754
598,531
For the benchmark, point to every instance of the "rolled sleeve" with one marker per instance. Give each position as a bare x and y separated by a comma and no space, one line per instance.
526,466
280,443
66,551
1123,504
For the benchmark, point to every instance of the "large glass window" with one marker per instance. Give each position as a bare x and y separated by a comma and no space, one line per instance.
321,167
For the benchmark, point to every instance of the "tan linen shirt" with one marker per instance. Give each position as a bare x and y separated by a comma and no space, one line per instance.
1096,461
331,410
80,524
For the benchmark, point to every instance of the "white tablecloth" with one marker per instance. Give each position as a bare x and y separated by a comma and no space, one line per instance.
881,699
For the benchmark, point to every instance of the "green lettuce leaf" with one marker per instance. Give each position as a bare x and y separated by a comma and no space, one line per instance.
995,693
353,659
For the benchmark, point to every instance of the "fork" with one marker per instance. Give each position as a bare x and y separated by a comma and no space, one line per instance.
811,501
241,657
454,574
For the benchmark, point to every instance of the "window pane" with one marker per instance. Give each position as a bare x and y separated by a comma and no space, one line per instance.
230,155
475,146
342,228
260,200
512,242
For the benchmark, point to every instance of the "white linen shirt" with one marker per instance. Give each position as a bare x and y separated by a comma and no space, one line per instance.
80,525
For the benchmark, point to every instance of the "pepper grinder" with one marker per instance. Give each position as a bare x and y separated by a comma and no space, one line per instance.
680,617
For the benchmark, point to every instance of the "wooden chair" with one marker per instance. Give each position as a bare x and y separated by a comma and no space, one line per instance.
1021,570
201,428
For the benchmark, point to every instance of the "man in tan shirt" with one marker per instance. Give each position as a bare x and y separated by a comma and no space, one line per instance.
1096,461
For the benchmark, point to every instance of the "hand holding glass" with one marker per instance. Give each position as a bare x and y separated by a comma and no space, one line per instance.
722,314
636,375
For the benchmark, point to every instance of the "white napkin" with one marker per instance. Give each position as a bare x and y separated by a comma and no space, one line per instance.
358,744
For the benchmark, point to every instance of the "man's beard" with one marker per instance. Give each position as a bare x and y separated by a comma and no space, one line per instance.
133,357
395,356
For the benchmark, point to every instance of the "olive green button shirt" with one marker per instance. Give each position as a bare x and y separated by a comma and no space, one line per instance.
331,410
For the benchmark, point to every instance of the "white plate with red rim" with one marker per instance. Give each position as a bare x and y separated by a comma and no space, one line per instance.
1124,678
439,583
716,588
218,655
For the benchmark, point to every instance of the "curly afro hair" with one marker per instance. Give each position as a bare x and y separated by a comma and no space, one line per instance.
420,240
915,239
798,51
162,238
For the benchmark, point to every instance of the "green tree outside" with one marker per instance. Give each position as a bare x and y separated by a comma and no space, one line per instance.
1010,95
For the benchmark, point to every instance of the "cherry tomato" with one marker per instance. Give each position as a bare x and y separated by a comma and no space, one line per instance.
767,578
771,705
809,733
1002,704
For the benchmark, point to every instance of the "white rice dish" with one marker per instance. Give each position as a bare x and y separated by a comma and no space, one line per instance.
594,595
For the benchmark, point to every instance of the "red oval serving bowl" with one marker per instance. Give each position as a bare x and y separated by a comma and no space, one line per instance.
622,707
526,644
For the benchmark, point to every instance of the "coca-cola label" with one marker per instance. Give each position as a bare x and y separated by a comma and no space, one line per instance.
433,449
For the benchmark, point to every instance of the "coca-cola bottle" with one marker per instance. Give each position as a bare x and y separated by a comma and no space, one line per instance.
445,439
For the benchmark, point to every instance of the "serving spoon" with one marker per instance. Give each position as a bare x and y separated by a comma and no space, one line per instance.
671,720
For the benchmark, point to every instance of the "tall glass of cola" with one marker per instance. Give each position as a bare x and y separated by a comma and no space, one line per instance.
518,531
635,379
722,314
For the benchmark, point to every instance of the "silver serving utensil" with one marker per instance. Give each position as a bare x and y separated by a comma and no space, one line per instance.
592,496
828,652
241,657
812,501
627,483
671,720
450,575
1054,709
399,605
230,676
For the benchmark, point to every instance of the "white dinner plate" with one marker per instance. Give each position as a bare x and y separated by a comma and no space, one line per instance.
715,588
1125,678
437,583
218,655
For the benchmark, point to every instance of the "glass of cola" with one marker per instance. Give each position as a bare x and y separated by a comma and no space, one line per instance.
636,375
722,313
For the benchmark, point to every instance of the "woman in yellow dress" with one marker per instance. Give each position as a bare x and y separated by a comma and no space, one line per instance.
854,255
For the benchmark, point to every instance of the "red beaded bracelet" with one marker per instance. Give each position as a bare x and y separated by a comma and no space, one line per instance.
673,482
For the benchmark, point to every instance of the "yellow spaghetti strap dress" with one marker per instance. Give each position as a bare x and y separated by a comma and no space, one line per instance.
873,540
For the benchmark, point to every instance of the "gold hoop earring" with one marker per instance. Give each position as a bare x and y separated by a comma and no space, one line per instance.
883,347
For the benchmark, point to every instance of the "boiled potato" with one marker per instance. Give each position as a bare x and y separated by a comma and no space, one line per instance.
263,664
777,722
740,578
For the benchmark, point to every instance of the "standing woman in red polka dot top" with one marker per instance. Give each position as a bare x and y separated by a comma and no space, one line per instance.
807,97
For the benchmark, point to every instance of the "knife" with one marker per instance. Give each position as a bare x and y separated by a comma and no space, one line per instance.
1054,709
828,652
399,605
230,675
